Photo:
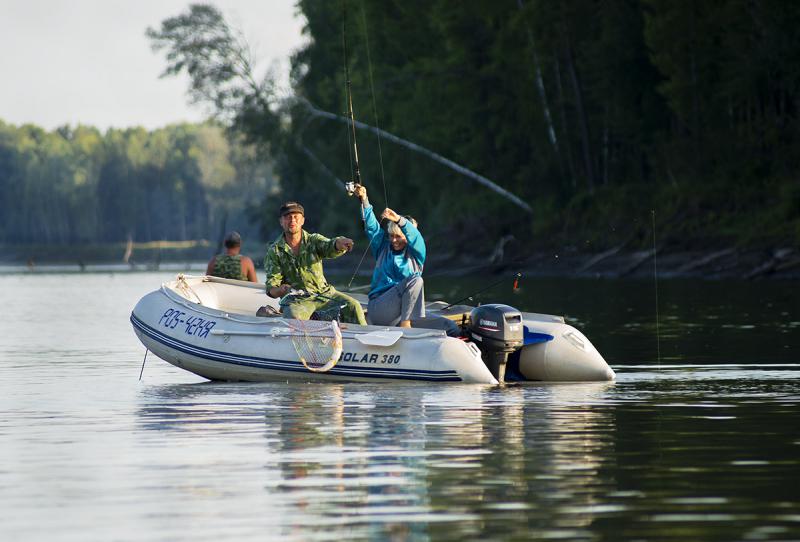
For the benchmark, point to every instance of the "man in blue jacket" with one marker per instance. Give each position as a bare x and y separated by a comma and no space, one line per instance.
396,293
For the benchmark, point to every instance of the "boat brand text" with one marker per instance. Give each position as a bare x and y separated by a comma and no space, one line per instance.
194,325
369,358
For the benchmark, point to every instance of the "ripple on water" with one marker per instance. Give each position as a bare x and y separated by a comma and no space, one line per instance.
683,450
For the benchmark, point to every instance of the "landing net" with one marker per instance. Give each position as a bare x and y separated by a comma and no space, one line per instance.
317,343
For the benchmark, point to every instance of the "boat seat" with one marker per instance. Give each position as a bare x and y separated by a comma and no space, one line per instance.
447,320
437,322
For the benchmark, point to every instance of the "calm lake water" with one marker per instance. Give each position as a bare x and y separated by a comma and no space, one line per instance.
698,439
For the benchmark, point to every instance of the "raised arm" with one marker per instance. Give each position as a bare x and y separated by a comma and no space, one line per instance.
372,227
416,245
329,248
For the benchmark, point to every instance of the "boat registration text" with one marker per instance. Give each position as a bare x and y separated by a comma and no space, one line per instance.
193,325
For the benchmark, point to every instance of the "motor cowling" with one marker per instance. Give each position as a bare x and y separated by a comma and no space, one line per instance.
497,330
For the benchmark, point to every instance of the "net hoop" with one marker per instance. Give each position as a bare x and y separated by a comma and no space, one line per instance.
318,343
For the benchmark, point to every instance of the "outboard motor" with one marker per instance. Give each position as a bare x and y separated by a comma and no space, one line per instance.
497,330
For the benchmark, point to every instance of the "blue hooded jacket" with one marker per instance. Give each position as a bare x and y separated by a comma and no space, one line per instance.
392,267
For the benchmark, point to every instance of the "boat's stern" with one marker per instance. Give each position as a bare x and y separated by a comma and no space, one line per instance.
556,351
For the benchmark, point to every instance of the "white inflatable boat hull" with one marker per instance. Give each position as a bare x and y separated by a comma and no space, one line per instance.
204,325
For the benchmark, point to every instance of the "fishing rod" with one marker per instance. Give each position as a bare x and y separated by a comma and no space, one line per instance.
355,181
304,293
355,169
351,186
517,276
338,304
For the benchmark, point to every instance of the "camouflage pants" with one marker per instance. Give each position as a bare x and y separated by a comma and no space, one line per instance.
302,307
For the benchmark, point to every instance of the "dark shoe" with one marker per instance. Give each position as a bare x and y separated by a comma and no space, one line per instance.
267,311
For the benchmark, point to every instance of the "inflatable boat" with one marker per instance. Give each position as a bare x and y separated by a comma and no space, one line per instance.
230,330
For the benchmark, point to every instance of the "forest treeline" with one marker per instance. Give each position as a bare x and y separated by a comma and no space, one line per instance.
599,116
78,185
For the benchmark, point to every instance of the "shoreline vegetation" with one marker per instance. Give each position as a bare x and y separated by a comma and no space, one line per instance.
782,263
567,139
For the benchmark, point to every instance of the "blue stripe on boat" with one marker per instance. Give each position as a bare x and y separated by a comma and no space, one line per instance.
533,337
292,365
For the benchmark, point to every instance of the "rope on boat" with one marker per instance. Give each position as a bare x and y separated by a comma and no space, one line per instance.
184,286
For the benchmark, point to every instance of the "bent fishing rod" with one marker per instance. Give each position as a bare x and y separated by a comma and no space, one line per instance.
304,293
517,276
355,169
356,181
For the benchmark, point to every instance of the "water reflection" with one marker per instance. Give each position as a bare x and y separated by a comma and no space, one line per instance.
526,461
410,460
703,447
540,472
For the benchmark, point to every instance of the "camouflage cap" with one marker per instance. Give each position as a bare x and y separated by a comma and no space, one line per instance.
292,207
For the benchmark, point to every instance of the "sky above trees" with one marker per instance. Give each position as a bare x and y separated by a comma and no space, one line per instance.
89,62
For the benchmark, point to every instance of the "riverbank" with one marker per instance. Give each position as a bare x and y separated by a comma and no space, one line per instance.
726,263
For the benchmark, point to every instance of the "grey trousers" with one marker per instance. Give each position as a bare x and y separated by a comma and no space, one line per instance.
403,301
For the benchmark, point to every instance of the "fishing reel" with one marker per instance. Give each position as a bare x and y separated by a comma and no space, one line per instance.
291,295
350,186
295,292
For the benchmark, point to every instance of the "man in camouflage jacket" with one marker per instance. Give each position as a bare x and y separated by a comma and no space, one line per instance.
294,261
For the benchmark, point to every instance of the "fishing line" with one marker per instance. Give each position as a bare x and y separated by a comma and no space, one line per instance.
480,179
359,264
143,362
470,269
356,171
659,432
655,281
350,144
354,167
374,106
363,221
